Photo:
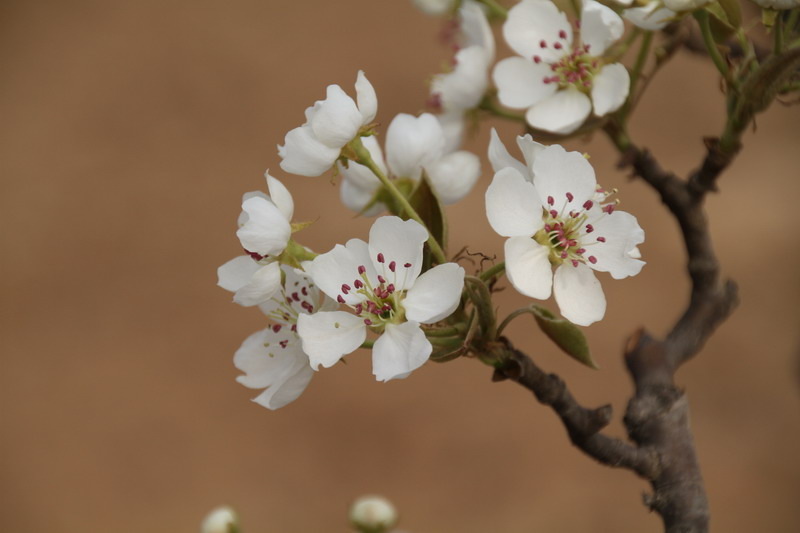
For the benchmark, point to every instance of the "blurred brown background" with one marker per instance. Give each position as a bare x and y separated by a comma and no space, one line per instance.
129,132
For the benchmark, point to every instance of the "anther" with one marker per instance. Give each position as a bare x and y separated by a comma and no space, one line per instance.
367,321
550,200
609,208
601,239
562,34
588,204
570,197
542,44
380,258
345,288
557,46
358,309
381,279
592,259
390,288
276,328
575,263
392,266
407,265
340,299
589,228
553,213
537,59
362,269
358,283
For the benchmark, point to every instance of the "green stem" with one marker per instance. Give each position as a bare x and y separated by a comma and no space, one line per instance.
507,320
367,344
365,158
495,270
778,36
641,60
488,104
576,7
443,332
708,39
792,21
495,9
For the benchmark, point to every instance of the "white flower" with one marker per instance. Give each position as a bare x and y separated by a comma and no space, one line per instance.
455,92
558,80
311,149
413,145
562,219
264,232
652,16
273,358
220,520
373,513
381,283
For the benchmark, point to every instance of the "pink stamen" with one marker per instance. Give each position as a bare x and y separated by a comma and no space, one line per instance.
542,44
570,197
381,279
562,34
609,208
589,228
392,266
367,321
362,269
553,213
340,299
537,59
380,258
601,239
407,265
358,309
592,259
358,283
345,288
588,204
390,288
276,328
575,263
550,200
557,46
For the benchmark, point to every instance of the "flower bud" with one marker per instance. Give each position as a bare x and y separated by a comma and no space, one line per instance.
373,514
221,520
434,7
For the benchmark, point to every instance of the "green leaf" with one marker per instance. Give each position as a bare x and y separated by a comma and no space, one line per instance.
428,206
565,334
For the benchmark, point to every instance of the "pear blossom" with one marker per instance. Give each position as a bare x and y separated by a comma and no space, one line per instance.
311,149
273,358
560,80
383,284
264,232
462,89
220,520
373,513
560,217
413,145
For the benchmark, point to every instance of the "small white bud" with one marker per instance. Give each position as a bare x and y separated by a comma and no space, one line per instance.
373,514
434,7
221,520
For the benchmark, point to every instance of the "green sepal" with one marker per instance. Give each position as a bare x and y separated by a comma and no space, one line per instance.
298,226
733,12
426,203
722,29
565,335
768,17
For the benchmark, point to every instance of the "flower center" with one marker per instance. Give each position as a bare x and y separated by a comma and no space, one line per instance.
569,232
381,304
574,69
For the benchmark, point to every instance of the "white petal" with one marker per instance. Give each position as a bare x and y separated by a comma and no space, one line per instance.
339,266
400,350
464,87
512,206
304,155
454,175
328,336
500,158
618,255
276,397
412,143
557,174
356,197
263,285
530,149
533,21
435,295
475,28
246,196
649,17
578,294
266,231
562,113
367,99
235,274
453,126
610,89
280,196
400,242
337,119
282,368
520,82
528,267
600,26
